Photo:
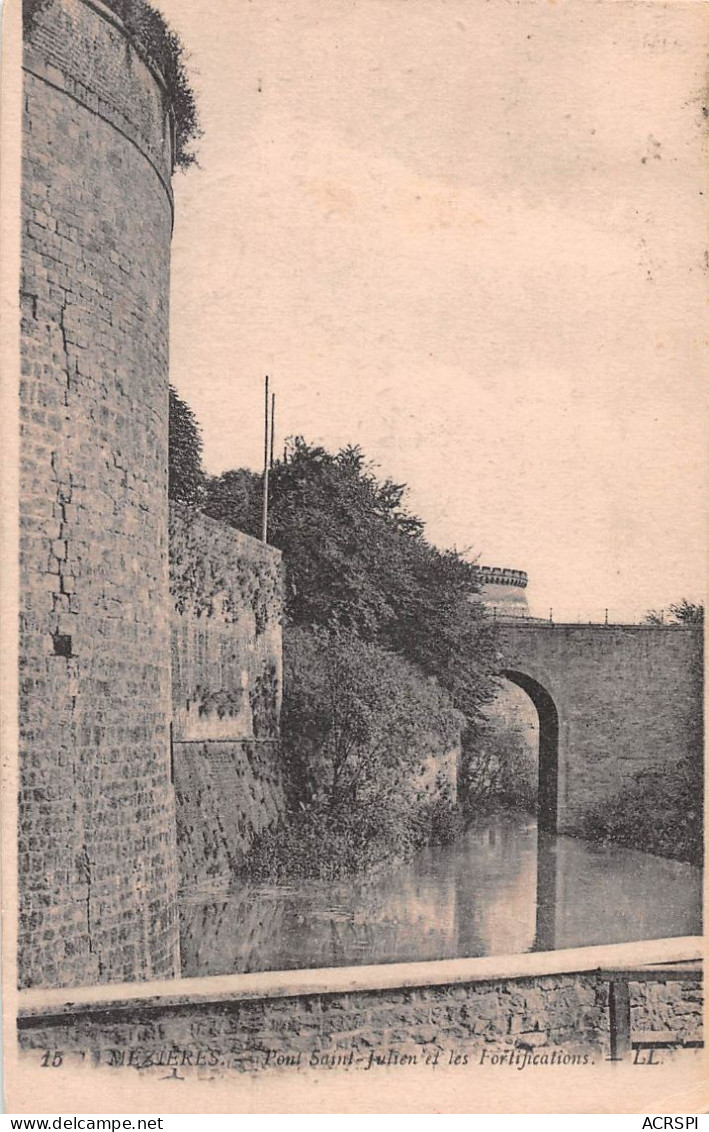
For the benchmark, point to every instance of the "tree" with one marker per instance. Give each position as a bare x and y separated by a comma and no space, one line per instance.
680,613
337,526
186,478
358,560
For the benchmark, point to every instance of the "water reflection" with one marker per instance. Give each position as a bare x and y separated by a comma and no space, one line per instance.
500,888
609,895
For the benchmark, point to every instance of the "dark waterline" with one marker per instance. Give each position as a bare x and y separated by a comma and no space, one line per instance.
500,888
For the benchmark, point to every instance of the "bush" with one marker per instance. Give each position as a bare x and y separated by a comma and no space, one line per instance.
362,732
659,812
328,844
358,720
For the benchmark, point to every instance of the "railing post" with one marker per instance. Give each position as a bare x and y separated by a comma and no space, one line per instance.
619,1010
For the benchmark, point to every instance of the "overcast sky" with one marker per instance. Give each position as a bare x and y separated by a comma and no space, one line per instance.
468,236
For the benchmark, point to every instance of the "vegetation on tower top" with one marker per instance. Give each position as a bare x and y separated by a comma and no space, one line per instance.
163,48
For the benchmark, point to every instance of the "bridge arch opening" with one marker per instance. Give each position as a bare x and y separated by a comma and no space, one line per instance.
548,788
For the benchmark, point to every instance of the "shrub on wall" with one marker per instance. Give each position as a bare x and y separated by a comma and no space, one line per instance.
361,730
162,47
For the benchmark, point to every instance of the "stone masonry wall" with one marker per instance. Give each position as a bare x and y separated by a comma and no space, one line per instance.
226,694
97,839
561,1014
226,793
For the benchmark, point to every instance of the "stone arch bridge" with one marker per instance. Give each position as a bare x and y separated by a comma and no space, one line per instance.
612,700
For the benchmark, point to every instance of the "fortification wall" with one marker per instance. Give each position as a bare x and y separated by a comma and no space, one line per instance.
226,694
94,601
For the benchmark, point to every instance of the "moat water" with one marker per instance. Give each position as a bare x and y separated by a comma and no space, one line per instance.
500,888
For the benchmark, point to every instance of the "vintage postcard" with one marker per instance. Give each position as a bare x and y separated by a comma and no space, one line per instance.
354,555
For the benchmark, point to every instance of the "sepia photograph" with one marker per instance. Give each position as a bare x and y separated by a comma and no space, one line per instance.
354,555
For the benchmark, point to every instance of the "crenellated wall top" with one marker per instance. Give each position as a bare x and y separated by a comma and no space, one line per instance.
502,576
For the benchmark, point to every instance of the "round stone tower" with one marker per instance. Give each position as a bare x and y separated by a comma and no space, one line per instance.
504,591
97,824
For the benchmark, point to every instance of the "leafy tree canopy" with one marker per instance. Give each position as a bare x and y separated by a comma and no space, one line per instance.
185,472
357,560
680,613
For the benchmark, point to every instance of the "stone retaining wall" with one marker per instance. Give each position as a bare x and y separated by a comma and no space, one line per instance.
226,793
540,1020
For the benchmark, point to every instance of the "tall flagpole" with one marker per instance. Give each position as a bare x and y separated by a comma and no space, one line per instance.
264,520
273,425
